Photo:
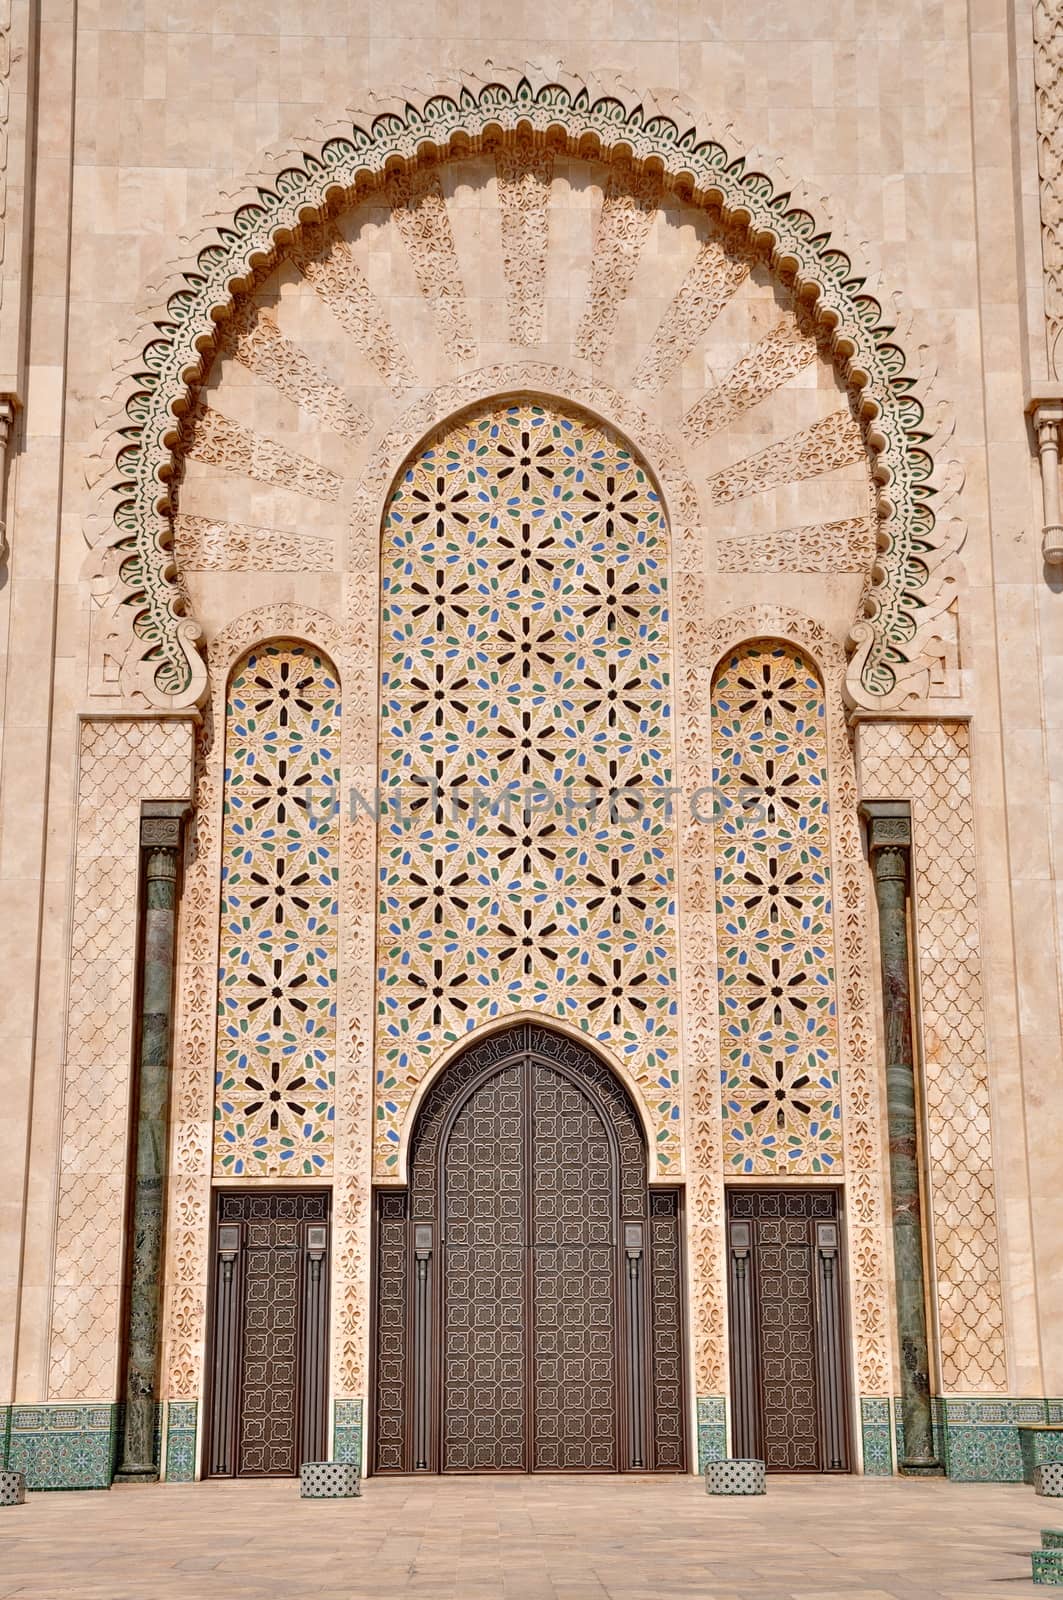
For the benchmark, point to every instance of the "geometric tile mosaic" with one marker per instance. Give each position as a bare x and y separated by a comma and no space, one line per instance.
275,1068
347,1432
875,1436
181,1441
775,922
712,1429
526,835
64,1447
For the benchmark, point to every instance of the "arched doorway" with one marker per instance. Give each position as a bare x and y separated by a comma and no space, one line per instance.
528,1295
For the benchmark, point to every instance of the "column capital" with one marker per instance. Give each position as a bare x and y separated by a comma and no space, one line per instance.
162,823
889,824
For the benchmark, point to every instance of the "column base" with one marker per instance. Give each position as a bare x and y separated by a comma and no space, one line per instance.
921,1469
136,1475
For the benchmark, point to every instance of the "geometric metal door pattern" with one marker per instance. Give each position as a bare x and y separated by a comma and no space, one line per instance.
787,1346
269,1304
528,1296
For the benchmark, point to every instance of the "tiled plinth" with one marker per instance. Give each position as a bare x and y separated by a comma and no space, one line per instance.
1040,1444
329,1480
12,1488
735,1477
1048,1566
1052,1538
1048,1480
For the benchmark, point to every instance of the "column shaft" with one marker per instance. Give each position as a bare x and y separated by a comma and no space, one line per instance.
153,1091
889,837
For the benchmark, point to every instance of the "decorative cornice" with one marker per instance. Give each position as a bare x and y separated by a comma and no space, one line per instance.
147,645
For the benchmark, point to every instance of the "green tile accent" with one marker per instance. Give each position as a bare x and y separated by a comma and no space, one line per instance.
1039,1443
1052,1538
181,1424
712,1429
64,1447
1048,1566
875,1435
347,1431
5,1434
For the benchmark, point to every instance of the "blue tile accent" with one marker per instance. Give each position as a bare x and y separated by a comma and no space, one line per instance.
712,1429
181,1423
64,1447
875,1436
347,1431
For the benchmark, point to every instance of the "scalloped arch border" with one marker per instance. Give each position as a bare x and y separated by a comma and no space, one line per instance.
156,643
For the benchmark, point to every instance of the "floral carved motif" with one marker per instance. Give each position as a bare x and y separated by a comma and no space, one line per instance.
525,171
220,442
843,546
254,339
781,354
210,543
835,441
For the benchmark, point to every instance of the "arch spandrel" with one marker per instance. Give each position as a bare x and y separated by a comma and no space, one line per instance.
647,166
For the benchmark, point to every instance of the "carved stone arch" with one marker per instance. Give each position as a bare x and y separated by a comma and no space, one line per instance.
145,646
861,1089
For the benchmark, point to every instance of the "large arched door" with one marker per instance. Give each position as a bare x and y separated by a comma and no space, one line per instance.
528,1305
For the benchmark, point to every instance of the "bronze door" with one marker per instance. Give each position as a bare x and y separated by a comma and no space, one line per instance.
269,1317
528,1311
787,1347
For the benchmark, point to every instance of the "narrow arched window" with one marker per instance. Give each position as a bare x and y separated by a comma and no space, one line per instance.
774,914
276,1040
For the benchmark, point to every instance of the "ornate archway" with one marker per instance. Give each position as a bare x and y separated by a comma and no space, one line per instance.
528,1306
145,639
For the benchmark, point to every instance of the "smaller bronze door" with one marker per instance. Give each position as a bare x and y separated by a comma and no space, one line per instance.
269,1321
788,1359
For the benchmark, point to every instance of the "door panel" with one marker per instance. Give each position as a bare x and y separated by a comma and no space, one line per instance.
787,1344
574,1261
269,1314
528,1304
484,1286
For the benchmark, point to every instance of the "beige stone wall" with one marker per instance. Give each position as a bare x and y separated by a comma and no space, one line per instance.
872,108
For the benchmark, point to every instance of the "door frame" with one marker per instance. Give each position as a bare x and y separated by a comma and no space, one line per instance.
841,1391
395,1205
319,1372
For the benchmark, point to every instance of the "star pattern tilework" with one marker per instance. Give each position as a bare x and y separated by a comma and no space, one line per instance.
526,832
774,916
275,1064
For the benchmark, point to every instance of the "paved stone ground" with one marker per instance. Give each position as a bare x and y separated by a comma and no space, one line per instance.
528,1539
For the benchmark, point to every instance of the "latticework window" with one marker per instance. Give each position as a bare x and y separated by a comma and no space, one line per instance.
774,917
527,835
273,1108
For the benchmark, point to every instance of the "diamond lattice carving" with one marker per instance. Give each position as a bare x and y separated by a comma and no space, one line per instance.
930,765
120,763
276,1041
526,840
780,1098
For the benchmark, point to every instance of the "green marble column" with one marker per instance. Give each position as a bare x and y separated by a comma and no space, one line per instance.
160,838
889,835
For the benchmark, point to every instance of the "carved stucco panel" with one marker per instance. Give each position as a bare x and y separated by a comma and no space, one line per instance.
120,764
929,764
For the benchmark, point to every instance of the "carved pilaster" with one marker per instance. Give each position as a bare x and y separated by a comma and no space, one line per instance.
889,833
